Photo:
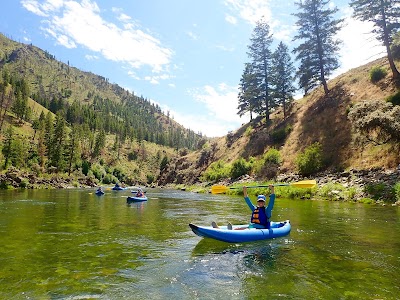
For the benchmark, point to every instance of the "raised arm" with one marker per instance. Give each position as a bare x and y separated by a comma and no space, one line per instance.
271,202
247,199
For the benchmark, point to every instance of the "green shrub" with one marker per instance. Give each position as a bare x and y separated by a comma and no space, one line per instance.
239,167
396,190
24,183
394,99
85,167
164,163
297,193
375,190
272,156
117,172
216,171
310,161
350,194
109,178
132,155
280,134
150,178
268,166
248,131
376,74
332,191
98,171
4,185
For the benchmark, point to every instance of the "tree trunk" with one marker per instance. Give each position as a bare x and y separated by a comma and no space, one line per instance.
396,74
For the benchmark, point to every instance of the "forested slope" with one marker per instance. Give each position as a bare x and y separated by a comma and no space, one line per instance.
58,118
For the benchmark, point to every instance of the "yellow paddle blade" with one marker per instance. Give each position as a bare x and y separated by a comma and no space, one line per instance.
304,184
219,189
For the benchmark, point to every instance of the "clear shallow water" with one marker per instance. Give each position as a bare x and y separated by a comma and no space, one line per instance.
72,244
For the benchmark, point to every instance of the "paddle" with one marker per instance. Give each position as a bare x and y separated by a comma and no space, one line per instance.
219,189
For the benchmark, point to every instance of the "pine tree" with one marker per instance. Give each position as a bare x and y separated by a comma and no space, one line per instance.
99,143
282,77
260,55
247,91
7,146
73,146
318,51
385,14
58,143
48,129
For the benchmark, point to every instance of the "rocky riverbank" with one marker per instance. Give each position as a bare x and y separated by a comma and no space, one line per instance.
14,178
363,182
376,183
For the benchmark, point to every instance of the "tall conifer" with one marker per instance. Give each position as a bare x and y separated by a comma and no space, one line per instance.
318,50
282,77
260,55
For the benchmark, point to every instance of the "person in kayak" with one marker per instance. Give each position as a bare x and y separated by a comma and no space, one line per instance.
139,193
261,214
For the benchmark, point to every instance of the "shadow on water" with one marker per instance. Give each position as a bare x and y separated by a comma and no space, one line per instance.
253,254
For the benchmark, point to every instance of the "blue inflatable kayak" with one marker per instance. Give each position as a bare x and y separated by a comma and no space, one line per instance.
118,188
136,199
99,193
278,229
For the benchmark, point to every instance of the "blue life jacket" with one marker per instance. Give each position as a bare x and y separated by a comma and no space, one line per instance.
260,217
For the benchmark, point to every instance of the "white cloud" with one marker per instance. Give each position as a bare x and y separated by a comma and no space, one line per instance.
220,103
231,19
251,10
192,35
225,48
156,79
91,57
74,23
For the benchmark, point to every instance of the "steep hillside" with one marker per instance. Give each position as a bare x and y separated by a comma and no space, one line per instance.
314,118
138,135
57,85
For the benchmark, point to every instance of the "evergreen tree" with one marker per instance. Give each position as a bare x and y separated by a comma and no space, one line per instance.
41,148
260,55
7,146
247,91
73,146
100,143
282,77
58,144
19,152
48,129
318,51
385,14
20,106
7,98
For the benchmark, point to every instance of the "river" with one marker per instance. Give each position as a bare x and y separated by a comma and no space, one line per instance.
72,244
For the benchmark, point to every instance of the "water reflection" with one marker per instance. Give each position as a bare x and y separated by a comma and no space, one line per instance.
68,244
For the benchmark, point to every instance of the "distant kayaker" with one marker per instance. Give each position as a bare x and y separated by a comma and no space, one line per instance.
139,193
260,217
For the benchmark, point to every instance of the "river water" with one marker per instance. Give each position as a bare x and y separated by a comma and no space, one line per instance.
72,244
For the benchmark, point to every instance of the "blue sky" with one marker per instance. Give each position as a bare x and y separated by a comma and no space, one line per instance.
186,55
